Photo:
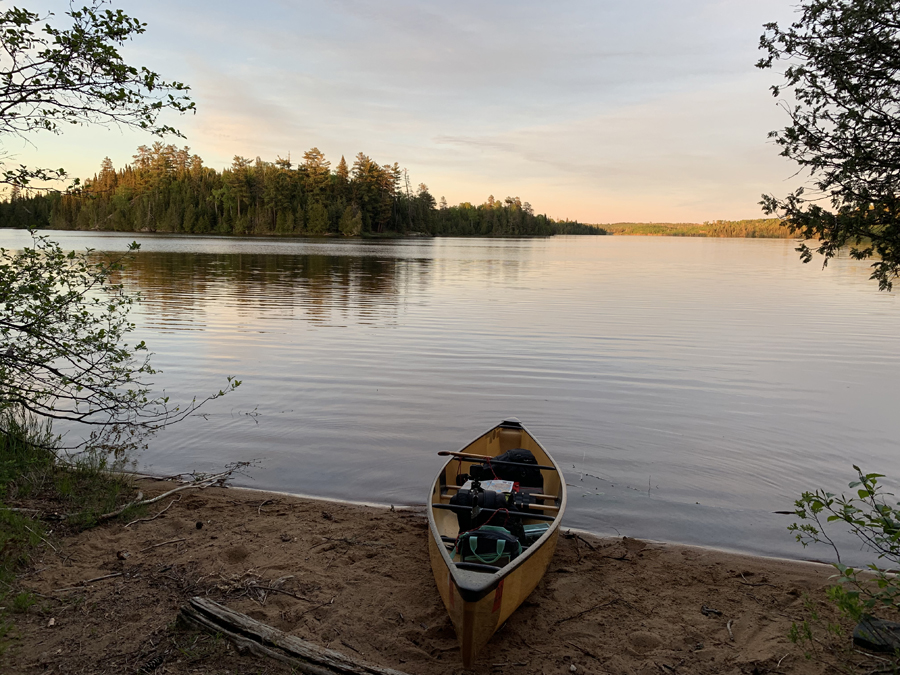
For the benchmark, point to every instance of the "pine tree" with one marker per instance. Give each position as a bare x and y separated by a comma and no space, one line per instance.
317,221
108,179
317,172
342,171
351,222
342,179
239,182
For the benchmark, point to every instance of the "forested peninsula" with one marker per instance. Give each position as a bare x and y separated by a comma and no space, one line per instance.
168,189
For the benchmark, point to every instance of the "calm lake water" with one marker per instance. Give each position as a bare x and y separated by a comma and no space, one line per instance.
689,387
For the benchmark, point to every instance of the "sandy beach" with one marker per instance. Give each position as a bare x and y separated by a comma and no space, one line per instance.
356,579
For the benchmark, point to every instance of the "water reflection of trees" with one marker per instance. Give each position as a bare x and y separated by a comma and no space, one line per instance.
272,286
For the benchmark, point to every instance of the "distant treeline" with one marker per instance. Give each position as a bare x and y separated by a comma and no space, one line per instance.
771,228
167,189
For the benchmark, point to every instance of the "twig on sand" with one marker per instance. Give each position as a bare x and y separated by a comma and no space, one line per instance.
572,535
728,626
281,590
56,550
46,597
349,646
588,611
147,520
171,541
584,651
313,609
112,514
199,481
589,544
748,583
267,501
353,541
627,604
273,587
883,670
872,656
88,581
105,576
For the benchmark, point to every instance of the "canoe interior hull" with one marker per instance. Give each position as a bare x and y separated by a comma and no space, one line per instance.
475,622
479,603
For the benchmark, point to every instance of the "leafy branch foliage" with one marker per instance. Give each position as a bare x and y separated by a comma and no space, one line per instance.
876,523
63,349
843,71
52,76
64,327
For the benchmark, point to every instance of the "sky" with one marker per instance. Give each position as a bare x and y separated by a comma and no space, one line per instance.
597,110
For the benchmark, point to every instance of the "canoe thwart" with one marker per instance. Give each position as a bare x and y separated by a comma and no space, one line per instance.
467,457
537,507
458,487
459,508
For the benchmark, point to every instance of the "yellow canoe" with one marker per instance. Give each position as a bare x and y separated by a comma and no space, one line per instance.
480,598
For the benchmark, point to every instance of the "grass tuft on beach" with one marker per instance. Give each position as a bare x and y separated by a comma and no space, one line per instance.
39,485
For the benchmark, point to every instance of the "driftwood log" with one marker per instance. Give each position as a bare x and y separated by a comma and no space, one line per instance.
263,640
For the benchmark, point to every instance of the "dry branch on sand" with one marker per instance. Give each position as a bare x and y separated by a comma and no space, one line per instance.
259,638
197,481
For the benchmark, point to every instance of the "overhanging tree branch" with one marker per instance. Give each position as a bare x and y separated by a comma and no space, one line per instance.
51,76
63,349
843,70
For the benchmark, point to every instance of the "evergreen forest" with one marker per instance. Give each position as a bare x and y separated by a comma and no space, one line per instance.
168,189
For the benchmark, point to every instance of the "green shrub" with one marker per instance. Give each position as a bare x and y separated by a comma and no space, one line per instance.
876,523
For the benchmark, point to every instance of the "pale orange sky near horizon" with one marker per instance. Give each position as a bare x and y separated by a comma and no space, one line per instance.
593,111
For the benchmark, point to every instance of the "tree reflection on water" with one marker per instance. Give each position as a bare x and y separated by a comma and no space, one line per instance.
324,288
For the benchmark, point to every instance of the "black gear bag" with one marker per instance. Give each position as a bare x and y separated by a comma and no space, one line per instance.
524,475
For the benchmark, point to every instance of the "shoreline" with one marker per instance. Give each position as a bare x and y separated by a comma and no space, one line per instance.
678,230
597,535
356,578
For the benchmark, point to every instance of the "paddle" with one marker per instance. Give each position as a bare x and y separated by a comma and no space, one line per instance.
486,458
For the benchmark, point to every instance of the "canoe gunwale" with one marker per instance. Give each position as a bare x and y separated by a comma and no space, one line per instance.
473,586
